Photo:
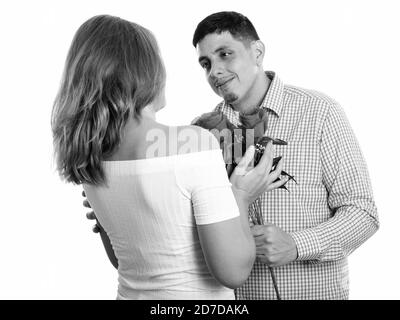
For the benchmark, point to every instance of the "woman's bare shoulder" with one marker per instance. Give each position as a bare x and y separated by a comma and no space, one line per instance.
191,138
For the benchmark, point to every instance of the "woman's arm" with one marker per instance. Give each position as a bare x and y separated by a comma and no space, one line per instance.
228,246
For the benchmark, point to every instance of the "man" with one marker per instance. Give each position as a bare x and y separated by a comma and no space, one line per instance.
310,230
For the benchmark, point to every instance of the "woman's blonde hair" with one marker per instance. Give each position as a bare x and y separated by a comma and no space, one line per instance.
113,69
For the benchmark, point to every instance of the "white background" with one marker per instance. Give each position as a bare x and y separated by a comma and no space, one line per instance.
346,49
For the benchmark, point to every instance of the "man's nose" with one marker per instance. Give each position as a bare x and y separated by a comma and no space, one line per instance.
216,70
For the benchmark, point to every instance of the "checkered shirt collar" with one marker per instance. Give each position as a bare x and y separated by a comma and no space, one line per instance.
273,100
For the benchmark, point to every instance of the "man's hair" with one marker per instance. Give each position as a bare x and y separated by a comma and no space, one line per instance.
239,26
113,70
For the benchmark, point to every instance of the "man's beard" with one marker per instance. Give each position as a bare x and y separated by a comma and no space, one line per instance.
230,97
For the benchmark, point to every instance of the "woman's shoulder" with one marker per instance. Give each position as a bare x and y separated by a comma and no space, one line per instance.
199,160
194,139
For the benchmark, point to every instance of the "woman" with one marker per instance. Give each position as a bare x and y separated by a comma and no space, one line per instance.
178,226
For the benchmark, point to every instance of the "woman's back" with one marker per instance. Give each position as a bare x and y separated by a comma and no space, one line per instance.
147,211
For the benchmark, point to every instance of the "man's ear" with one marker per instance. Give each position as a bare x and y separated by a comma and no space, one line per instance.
259,51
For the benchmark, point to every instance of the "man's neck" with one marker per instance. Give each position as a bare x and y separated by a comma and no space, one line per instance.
255,96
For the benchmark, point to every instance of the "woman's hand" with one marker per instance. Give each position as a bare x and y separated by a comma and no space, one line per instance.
249,182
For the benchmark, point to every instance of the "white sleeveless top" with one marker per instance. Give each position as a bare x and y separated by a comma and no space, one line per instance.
149,209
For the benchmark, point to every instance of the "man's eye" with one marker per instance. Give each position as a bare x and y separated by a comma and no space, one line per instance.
205,65
225,54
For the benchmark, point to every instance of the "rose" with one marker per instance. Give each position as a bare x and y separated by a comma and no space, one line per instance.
256,120
235,143
223,130
213,120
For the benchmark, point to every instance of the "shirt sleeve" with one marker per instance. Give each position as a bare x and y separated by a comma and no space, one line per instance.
354,215
204,180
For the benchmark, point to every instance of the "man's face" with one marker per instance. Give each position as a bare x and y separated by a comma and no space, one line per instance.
230,66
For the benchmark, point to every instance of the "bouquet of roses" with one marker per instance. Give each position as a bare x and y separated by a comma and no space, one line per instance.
234,140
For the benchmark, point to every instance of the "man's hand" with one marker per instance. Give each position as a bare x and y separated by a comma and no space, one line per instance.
90,215
97,228
274,246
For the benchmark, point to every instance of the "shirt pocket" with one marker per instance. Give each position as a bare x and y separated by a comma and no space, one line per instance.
302,161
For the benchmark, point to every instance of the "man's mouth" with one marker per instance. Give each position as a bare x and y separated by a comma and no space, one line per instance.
221,83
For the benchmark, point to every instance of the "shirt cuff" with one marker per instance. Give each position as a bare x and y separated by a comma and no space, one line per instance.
307,244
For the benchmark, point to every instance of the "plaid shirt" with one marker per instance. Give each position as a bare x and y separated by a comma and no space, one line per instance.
330,212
